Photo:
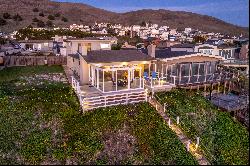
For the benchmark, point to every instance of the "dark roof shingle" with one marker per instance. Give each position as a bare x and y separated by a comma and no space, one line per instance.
184,45
108,56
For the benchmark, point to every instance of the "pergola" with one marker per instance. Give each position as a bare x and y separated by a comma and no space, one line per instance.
97,71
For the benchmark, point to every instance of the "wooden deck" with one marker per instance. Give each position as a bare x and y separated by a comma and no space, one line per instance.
230,102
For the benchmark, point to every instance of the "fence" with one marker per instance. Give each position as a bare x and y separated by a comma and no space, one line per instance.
106,100
10,61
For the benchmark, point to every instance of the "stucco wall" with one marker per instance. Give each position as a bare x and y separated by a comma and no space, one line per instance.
84,71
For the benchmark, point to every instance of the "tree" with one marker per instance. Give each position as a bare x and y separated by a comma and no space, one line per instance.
41,14
111,31
40,24
116,46
143,24
6,16
17,17
199,39
50,17
2,41
57,15
64,19
2,22
30,26
35,10
35,19
49,23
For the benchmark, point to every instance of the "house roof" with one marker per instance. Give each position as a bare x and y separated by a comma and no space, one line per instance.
76,56
205,47
35,41
89,38
185,45
167,53
225,46
108,56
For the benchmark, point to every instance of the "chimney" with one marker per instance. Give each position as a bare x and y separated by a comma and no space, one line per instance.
151,50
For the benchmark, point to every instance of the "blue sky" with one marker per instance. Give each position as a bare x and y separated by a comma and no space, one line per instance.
232,11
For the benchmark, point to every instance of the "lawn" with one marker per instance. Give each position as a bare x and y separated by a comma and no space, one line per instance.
224,140
40,123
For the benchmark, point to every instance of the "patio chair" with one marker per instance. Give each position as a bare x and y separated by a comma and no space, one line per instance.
145,75
154,75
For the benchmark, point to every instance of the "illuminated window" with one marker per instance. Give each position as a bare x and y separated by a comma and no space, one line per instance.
105,45
88,46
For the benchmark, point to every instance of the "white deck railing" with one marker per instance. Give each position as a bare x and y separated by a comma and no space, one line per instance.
125,97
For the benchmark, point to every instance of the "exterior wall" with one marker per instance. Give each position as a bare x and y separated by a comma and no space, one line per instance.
95,45
206,51
84,71
197,47
183,49
244,52
39,46
73,64
227,53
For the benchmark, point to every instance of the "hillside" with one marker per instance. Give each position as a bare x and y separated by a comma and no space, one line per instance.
85,14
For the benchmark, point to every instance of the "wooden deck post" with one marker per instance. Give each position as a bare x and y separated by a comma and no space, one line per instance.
188,145
218,91
225,83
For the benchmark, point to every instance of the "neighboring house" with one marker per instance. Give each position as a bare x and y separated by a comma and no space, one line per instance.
223,50
9,48
109,77
74,45
37,45
183,47
206,49
226,51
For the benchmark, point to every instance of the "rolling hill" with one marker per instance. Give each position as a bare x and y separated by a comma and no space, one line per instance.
85,14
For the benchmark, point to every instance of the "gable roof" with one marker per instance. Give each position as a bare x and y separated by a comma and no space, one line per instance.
108,56
205,47
35,41
184,45
167,53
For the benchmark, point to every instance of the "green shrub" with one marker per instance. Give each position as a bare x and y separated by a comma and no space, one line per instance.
64,19
50,17
6,16
224,141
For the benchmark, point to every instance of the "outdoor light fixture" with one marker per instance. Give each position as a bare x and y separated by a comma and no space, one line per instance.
197,142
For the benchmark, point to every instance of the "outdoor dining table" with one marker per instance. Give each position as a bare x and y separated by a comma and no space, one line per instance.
122,82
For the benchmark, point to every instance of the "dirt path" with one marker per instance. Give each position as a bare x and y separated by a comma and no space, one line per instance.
182,137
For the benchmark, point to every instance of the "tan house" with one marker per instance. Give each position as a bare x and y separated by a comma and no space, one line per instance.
74,45
37,45
104,77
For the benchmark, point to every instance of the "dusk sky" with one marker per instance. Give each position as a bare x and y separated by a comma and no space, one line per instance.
232,11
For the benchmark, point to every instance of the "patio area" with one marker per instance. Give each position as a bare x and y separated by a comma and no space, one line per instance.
230,102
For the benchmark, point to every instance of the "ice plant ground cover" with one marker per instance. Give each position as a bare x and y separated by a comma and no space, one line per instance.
223,139
40,123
